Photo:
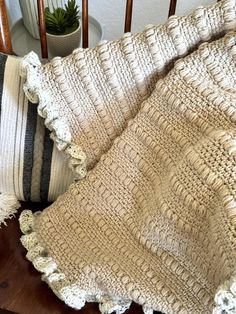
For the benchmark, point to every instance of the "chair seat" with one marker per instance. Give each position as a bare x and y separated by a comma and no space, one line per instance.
21,288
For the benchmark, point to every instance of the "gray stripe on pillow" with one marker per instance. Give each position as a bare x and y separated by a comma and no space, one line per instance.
38,160
29,149
30,168
46,168
3,59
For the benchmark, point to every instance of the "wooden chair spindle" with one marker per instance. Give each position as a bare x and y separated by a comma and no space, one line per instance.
172,7
128,15
5,37
42,29
85,23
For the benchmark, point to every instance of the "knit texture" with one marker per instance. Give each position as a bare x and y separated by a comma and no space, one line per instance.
155,221
88,97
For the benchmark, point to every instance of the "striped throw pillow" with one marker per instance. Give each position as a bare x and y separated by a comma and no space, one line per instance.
31,168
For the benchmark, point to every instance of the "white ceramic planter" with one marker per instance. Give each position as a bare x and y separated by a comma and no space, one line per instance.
23,42
63,45
30,13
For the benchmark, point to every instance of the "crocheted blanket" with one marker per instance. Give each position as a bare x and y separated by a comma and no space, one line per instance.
155,221
88,97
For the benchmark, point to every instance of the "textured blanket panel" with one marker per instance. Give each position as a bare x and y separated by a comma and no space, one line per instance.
154,221
88,97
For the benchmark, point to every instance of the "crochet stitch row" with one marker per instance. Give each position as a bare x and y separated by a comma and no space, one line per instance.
154,221
88,97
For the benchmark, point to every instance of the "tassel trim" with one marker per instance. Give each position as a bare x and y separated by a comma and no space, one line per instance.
8,207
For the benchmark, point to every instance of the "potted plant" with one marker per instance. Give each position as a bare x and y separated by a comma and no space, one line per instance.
63,29
30,13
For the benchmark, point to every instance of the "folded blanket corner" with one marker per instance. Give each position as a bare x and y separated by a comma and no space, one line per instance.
72,294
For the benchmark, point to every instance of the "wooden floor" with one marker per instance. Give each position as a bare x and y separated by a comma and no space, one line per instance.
21,289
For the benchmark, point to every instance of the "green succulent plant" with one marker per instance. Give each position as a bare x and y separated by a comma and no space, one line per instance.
62,21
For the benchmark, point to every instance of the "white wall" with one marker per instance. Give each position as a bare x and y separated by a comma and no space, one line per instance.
110,13
13,10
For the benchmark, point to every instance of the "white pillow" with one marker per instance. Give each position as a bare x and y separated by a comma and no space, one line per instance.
31,168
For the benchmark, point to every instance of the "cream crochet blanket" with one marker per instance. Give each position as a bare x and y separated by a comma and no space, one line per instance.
155,221
88,98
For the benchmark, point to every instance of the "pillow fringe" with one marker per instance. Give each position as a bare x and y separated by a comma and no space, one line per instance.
8,207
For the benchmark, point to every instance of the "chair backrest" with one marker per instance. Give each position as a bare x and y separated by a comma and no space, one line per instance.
5,39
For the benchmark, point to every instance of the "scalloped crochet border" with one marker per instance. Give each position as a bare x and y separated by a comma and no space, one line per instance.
60,133
73,295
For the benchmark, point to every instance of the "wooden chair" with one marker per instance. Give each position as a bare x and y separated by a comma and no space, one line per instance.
21,288
5,39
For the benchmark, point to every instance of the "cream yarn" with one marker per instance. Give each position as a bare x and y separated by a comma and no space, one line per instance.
8,207
88,98
154,221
